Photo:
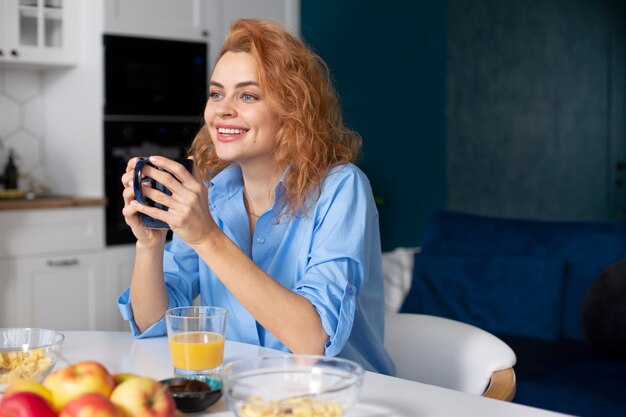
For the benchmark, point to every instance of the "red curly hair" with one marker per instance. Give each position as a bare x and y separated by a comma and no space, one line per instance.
312,137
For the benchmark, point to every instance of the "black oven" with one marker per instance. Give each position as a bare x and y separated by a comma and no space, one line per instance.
155,92
132,138
146,76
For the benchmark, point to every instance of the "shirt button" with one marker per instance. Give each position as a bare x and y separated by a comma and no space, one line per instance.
260,240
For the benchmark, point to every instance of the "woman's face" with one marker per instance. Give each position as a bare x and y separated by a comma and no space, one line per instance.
241,124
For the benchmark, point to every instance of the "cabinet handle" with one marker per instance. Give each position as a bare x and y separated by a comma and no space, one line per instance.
14,52
1,52
63,262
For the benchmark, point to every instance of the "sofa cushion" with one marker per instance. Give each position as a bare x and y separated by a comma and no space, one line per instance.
584,247
603,316
514,295
566,376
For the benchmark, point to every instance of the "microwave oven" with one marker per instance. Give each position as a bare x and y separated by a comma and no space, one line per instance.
154,77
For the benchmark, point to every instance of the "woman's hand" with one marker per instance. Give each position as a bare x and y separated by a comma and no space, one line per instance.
188,213
132,216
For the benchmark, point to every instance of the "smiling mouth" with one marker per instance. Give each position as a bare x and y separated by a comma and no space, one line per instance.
229,132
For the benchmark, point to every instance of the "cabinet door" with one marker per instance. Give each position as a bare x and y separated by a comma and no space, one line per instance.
13,308
39,32
221,13
56,292
157,18
119,268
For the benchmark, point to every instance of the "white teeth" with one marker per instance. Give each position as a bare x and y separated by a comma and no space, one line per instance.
225,131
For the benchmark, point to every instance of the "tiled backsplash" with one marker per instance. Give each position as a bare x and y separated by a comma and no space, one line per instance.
21,126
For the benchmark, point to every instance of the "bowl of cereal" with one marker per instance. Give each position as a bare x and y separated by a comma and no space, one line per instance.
288,385
27,353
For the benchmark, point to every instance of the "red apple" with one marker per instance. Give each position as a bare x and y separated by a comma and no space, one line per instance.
26,404
92,404
77,379
143,397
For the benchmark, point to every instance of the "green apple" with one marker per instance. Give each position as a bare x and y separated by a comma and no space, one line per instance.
120,377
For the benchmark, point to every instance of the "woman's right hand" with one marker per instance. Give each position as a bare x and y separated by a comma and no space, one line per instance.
144,235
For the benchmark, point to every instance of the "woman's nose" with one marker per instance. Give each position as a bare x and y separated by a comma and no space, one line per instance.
225,110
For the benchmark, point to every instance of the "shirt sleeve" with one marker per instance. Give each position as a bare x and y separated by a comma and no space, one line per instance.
180,268
345,220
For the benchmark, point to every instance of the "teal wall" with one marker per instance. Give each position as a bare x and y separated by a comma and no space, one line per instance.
387,59
535,108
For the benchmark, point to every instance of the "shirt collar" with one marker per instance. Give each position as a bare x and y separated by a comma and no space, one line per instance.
229,182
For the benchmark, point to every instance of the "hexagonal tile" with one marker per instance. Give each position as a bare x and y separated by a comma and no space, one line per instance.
22,84
28,150
10,112
32,115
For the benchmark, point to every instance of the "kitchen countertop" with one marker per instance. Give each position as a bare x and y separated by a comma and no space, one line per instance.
50,202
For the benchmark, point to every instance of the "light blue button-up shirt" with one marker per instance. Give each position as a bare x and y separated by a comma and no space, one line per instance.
331,256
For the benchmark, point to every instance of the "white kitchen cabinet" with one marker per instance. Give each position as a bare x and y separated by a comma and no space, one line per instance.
223,12
119,268
53,269
55,292
38,32
195,20
172,19
54,231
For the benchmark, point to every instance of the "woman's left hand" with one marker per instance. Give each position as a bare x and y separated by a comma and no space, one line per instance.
188,213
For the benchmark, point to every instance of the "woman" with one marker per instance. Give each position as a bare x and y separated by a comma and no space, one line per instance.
275,224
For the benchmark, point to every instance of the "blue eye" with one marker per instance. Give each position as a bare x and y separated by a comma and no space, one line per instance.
215,96
248,97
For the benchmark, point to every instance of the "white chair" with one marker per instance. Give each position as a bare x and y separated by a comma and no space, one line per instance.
450,354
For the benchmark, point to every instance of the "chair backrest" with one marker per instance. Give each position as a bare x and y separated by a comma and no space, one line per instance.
450,354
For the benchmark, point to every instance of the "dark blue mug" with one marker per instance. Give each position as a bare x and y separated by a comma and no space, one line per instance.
148,221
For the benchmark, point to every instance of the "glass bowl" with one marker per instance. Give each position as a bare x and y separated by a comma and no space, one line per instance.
27,353
193,394
289,385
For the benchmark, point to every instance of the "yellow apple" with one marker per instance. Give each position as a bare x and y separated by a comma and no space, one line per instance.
143,397
91,404
28,386
77,379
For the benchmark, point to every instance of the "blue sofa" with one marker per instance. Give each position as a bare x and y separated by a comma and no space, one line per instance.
525,281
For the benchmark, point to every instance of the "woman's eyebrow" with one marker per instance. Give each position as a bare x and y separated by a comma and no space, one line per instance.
238,85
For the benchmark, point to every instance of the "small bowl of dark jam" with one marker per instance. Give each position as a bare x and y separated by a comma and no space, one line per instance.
194,394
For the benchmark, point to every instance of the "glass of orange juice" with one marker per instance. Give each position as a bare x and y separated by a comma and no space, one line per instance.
196,338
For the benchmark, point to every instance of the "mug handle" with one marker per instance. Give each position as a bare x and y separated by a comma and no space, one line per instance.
137,181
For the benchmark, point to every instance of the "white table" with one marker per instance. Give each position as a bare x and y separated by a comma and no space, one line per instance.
382,395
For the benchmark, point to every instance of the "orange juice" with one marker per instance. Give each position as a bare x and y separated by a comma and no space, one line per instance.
197,351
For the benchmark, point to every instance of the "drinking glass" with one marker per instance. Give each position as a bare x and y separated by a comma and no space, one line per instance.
196,338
